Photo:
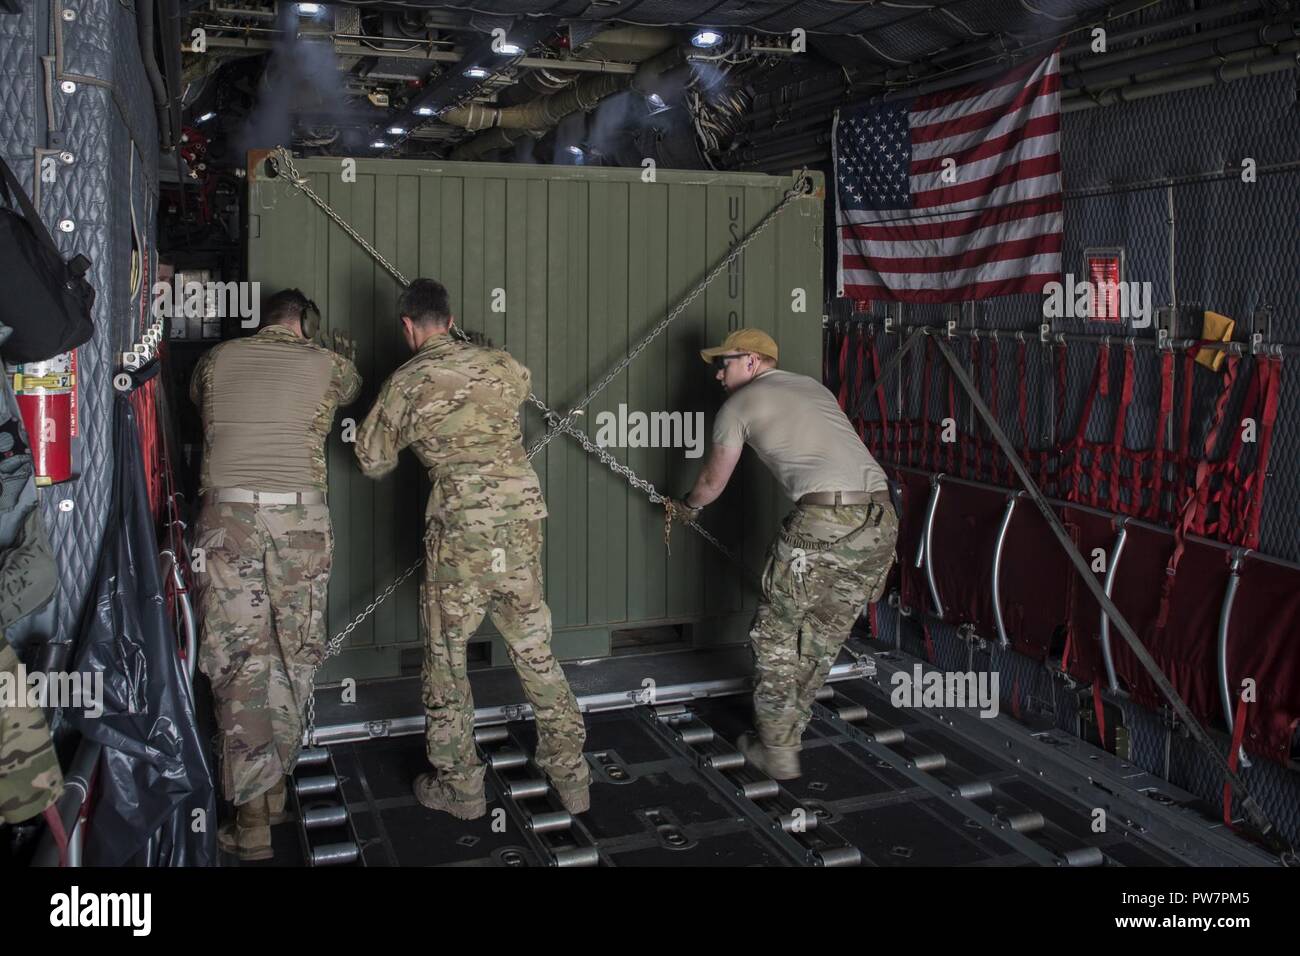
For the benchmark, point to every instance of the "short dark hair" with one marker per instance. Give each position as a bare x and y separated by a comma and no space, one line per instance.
285,306
425,302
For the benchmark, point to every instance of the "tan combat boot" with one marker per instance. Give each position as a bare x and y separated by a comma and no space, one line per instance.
779,763
249,837
275,799
432,794
575,797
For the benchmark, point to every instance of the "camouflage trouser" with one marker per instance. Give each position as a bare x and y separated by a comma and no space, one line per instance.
824,567
30,779
262,612
495,569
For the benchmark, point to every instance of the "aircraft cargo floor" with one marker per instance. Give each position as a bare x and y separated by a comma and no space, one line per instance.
881,786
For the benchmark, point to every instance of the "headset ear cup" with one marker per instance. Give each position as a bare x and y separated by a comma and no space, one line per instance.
310,323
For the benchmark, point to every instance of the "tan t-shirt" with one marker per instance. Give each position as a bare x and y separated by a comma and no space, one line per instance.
268,404
799,431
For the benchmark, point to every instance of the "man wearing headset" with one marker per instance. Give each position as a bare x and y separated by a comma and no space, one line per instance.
835,548
268,404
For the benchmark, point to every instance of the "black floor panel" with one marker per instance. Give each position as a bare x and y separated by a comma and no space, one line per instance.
829,775
731,849
906,835
615,807
419,837
654,802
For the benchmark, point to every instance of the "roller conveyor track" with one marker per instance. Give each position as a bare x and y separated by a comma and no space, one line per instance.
529,803
979,798
325,829
794,830
881,787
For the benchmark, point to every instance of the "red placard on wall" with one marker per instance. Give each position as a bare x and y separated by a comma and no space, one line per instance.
1105,271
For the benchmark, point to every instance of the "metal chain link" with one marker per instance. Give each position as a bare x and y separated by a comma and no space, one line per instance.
299,182
553,419
640,484
336,642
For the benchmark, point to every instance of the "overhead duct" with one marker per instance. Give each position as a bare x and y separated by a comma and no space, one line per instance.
494,139
1222,44
623,44
632,44
541,113
1258,64
545,82
544,113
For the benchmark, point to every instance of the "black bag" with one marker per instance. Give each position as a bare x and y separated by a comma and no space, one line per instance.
46,300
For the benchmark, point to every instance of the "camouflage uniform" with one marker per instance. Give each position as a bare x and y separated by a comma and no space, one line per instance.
262,602
824,567
30,779
261,595
457,406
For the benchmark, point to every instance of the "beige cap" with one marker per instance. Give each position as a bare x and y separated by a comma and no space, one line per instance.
743,340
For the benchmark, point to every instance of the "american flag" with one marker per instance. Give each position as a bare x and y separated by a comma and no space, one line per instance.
916,229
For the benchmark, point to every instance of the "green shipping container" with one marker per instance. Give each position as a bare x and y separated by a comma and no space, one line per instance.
567,268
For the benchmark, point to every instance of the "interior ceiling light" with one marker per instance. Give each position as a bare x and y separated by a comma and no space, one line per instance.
379,144
425,111
476,73
396,131
308,9
205,117
511,49
706,39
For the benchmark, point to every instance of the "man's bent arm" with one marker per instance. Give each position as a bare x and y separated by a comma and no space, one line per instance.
380,439
714,476
348,379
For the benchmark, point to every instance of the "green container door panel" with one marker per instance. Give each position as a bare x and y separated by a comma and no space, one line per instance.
685,389
471,302
589,260
607,344
760,269
561,542
647,304
724,299
536,254
451,234
407,491
428,227
496,216
576,363
352,302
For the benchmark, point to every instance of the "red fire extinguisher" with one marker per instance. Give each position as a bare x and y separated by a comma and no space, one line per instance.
47,398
